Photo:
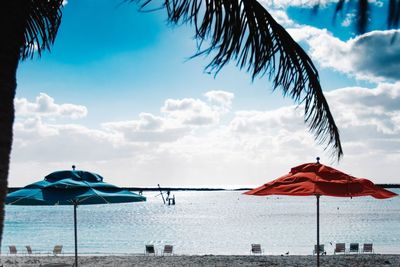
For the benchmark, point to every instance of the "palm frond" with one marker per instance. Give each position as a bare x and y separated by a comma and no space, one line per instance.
393,14
244,32
363,13
44,18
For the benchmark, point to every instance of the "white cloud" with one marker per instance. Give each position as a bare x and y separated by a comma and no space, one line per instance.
348,20
371,56
221,99
148,128
376,111
44,105
297,3
281,17
179,117
190,112
308,3
257,122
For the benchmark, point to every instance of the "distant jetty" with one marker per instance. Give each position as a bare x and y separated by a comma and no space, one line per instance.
143,189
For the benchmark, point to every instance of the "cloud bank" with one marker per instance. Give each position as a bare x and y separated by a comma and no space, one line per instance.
44,105
204,142
373,56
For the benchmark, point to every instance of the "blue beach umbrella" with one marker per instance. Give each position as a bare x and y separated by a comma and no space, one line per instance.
71,188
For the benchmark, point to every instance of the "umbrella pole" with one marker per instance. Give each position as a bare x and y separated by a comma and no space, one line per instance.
317,230
76,235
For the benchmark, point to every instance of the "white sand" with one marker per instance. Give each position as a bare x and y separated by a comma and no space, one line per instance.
207,260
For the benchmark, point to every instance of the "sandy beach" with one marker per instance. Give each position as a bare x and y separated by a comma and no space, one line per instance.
375,260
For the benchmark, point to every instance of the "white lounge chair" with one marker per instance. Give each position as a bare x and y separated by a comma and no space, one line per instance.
13,250
340,248
321,249
28,250
256,249
31,251
354,248
168,249
57,250
150,250
367,248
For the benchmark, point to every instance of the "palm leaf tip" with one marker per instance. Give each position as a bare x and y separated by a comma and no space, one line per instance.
43,22
322,124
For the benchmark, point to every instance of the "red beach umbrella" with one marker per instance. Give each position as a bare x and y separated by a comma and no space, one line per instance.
315,179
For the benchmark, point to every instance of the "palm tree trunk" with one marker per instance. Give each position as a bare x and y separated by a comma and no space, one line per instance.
7,92
12,25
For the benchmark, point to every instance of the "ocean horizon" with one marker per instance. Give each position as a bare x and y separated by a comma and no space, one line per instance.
208,222
211,187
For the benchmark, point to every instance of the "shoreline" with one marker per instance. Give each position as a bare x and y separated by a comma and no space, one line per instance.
346,260
151,189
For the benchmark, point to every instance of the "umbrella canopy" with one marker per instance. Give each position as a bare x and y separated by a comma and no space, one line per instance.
71,188
317,179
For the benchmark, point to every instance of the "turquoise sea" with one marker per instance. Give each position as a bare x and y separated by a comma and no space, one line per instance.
213,222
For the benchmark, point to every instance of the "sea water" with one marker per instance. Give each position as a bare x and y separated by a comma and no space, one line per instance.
213,222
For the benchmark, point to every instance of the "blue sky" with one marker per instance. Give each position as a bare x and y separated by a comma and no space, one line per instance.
117,95
126,57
